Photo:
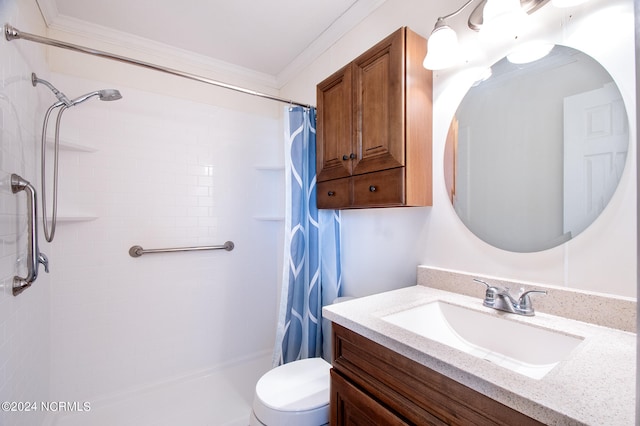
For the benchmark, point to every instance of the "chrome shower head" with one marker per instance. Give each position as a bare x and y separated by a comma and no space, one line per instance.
110,95
104,95
61,96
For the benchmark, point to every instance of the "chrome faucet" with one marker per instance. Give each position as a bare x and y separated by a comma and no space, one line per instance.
500,298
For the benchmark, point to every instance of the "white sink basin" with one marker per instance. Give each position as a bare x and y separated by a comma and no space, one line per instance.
522,348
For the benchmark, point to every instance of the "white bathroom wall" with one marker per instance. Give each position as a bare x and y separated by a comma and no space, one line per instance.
383,247
24,320
166,172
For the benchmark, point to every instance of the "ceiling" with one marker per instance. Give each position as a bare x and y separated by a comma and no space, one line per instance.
264,37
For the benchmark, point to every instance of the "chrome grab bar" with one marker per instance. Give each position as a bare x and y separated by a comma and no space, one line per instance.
137,251
34,257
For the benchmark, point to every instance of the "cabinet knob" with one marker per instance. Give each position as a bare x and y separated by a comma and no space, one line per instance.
351,156
331,193
373,188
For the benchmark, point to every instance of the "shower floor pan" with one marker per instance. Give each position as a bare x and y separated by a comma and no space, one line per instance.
220,397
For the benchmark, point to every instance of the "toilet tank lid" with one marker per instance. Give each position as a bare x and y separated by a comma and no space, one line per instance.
297,386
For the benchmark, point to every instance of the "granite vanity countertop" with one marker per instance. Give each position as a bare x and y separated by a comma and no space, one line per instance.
595,385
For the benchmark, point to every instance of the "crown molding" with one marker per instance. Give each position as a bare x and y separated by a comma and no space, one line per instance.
140,46
143,47
48,9
341,26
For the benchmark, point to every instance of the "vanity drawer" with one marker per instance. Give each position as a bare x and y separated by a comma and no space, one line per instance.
414,392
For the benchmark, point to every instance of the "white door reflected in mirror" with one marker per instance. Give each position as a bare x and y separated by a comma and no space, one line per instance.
596,141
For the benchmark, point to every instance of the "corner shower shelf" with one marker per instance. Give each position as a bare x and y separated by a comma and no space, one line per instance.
269,204
67,145
70,146
67,218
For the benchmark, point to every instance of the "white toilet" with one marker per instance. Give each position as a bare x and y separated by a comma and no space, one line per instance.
294,394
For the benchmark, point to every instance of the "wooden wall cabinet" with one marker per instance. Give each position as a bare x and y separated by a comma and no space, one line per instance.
374,128
373,385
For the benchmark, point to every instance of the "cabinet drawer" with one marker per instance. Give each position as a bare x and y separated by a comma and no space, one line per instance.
384,188
334,194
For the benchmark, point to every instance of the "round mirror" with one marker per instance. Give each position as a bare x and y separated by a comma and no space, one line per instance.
535,151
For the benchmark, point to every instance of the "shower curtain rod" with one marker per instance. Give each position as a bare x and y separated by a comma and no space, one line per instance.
12,33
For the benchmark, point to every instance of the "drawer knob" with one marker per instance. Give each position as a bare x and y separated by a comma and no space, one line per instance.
352,156
331,193
345,157
372,188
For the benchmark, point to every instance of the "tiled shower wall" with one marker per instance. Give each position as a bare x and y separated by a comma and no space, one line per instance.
162,172
24,320
153,170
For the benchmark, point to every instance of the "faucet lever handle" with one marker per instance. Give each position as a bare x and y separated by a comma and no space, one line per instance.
483,282
491,292
524,301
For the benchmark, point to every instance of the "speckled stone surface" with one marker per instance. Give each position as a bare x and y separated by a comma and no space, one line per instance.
596,308
595,385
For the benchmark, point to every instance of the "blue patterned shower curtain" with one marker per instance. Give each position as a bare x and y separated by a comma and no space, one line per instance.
311,276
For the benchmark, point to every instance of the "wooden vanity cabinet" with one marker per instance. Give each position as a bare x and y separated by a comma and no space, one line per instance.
373,385
374,116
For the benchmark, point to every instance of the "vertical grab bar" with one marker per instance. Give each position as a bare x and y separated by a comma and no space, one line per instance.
34,257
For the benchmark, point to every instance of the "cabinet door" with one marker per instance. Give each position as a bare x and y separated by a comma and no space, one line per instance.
352,407
334,126
379,91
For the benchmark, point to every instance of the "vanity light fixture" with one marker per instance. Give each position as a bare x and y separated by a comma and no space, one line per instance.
489,16
443,49
502,18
